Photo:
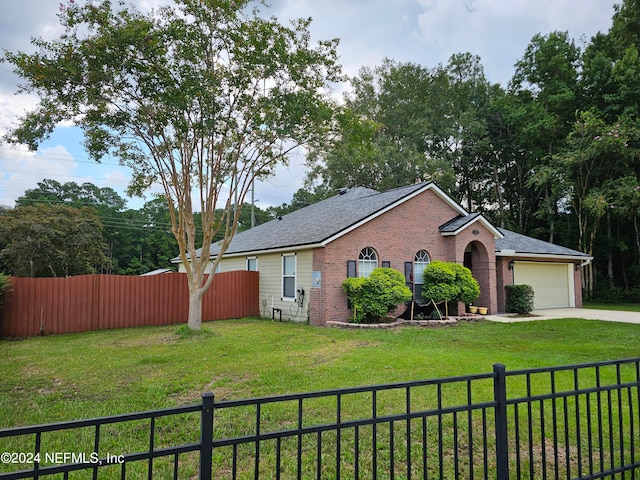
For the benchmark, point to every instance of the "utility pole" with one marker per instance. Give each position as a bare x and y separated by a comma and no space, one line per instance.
253,191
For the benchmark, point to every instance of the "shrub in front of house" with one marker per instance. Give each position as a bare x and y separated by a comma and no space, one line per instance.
519,299
373,298
448,282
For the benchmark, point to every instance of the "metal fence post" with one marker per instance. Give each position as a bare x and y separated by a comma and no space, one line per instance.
206,436
500,396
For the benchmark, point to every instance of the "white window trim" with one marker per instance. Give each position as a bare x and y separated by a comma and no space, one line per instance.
367,261
252,258
295,278
418,279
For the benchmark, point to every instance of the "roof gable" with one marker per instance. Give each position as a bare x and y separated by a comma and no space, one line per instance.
460,223
323,222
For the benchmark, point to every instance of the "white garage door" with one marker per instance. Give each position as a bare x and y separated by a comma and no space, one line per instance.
552,283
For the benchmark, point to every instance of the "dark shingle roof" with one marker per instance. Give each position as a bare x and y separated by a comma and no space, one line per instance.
523,244
321,221
460,221
318,222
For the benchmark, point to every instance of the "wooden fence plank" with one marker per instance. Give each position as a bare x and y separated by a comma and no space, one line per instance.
98,302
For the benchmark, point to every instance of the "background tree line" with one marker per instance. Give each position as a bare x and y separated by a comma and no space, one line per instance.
554,154
69,229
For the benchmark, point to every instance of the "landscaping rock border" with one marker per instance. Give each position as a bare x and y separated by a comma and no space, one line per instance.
412,323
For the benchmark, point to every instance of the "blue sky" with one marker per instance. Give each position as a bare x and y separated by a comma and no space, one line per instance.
426,32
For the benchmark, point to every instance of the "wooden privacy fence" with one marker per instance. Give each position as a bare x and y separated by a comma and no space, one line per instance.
98,302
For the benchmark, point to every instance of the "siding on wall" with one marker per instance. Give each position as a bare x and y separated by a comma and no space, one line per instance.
270,268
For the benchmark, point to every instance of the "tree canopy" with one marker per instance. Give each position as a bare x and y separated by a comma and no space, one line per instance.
202,97
52,241
550,155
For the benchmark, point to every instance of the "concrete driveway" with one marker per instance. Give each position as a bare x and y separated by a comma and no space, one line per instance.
608,315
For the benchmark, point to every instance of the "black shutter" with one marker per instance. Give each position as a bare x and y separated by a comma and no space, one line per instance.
351,269
351,273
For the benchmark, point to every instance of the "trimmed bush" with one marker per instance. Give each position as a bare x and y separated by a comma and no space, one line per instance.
449,281
519,299
374,297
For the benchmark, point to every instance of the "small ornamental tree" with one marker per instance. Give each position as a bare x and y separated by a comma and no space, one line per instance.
374,297
447,282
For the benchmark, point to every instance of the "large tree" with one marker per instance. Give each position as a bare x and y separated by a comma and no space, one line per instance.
545,84
404,123
201,97
51,241
393,131
105,200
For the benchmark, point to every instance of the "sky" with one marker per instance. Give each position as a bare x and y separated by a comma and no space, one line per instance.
426,32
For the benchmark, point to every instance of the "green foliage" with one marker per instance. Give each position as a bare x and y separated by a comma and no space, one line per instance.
52,241
198,96
449,281
374,297
5,288
519,298
608,293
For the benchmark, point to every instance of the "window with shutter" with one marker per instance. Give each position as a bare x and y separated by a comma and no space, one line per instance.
367,262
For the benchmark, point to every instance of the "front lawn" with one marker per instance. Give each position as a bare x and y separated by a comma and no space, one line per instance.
73,376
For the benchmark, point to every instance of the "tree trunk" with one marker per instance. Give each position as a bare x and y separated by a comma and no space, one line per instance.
637,234
609,249
195,308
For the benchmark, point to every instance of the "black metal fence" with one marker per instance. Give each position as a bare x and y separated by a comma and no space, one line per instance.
569,422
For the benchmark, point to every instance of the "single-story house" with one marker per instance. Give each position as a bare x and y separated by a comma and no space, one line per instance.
303,257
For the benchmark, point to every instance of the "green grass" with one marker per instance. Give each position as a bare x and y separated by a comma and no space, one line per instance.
56,378
65,377
624,307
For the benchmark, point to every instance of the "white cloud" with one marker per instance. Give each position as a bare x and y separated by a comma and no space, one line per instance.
426,32
21,169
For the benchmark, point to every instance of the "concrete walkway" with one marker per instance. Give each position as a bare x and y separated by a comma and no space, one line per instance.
590,314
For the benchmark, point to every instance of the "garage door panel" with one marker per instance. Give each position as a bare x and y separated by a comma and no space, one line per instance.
550,282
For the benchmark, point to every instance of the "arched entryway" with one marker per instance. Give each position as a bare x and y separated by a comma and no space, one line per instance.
476,259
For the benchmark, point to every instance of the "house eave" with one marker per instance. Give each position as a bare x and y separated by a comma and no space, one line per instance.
550,256
249,253
496,233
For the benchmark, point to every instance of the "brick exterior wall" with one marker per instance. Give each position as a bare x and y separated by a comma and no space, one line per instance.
577,283
504,276
397,236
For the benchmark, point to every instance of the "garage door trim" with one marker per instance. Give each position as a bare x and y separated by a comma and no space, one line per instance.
569,279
